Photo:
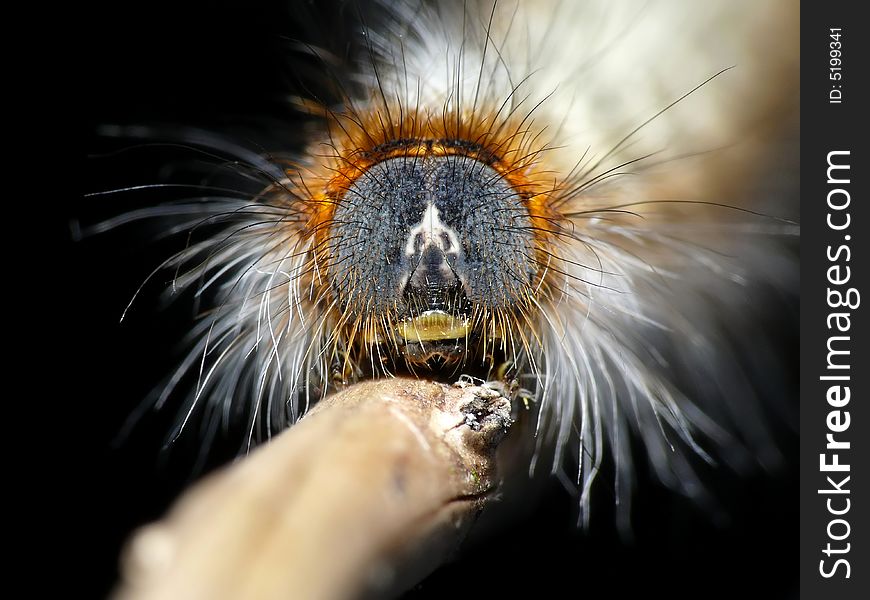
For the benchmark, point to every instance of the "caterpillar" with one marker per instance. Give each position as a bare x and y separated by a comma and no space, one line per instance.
559,196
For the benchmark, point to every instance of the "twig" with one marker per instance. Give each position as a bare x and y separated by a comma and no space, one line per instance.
366,495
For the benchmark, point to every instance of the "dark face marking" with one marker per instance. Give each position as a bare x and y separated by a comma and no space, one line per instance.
429,240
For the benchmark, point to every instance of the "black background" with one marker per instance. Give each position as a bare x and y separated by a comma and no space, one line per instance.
223,66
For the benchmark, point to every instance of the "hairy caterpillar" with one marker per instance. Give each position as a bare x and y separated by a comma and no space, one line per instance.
615,280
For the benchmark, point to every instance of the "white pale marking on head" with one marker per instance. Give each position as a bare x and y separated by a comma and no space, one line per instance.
434,233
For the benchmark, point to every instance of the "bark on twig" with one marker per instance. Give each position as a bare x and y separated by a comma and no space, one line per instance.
365,496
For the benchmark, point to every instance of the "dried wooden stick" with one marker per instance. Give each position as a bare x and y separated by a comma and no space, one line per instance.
366,495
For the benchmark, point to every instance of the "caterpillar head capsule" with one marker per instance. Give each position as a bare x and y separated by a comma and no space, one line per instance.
424,249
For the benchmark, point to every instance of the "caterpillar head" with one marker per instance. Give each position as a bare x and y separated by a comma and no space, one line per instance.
428,246
425,250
